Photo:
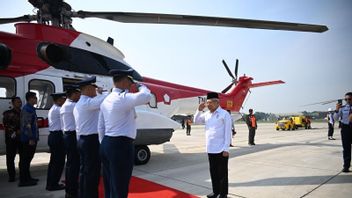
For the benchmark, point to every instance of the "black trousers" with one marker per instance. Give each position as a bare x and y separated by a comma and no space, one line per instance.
188,130
57,158
72,163
12,147
251,135
26,152
330,130
117,155
89,172
219,173
346,136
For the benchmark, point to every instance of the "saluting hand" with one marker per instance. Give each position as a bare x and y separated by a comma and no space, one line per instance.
201,106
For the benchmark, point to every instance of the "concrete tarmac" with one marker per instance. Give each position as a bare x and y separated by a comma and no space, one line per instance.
300,163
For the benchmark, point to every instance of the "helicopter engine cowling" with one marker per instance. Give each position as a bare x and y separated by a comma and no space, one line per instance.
5,56
51,53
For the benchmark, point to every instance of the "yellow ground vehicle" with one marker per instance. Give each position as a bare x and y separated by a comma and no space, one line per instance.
302,121
285,124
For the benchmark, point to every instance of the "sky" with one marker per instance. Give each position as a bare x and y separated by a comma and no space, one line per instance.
315,66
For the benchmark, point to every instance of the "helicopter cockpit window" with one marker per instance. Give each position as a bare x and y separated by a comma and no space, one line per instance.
7,87
43,90
153,102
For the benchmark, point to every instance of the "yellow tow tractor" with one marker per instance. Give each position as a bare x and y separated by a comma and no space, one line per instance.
302,121
285,124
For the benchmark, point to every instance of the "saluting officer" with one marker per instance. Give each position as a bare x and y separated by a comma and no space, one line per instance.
218,132
86,113
70,141
345,114
117,128
56,144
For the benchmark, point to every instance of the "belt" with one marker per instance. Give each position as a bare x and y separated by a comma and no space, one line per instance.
120,137
86,136
59,131
69,132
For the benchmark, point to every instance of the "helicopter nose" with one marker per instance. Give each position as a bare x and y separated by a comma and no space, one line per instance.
5,56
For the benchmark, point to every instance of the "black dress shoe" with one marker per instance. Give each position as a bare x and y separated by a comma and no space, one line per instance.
345,170
34,179
12,179
212,195
27,183
56,187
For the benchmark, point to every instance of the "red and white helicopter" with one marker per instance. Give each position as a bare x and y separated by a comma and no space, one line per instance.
46,56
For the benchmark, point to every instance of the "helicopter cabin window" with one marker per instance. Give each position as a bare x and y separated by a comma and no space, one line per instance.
7,87
43,90
153,101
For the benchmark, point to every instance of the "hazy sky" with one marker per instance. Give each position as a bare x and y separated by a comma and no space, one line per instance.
315,66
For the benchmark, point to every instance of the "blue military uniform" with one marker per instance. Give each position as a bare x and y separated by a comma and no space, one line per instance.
56,145
346,134
117,129
86,113
70,142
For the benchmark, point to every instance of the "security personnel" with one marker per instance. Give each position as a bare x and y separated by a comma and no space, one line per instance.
56,144
29,139
86,113
11,121
251,121
331,123
345,114
117,129
218,139
70,141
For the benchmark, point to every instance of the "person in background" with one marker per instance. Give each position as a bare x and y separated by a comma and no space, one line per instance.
345,114
331,123
86,114
56,144
11,121
251,121
29,139
218,138
188,126
232,128
70,141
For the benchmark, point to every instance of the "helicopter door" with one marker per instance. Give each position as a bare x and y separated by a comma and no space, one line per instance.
43,86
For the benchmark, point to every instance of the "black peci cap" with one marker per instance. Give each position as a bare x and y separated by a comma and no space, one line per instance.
212,95
88,81
119,73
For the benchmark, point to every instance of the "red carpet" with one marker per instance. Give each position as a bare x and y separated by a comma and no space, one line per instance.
140,188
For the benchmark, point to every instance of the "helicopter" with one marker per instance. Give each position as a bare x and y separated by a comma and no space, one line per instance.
49,55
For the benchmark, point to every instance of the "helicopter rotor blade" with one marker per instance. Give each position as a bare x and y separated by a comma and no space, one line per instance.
228,69
227,88
155,18
27,18
236,70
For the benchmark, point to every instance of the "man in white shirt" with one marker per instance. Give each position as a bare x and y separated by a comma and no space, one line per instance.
70,141
117,129
218,139
86,113
56,144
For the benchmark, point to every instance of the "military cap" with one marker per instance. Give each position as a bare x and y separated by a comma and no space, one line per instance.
212,95
58,95
120,73
71,89
87,81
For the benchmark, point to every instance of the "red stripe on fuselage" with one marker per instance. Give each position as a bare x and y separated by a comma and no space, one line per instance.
24,44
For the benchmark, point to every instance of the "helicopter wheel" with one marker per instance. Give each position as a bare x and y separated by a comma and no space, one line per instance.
142,155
